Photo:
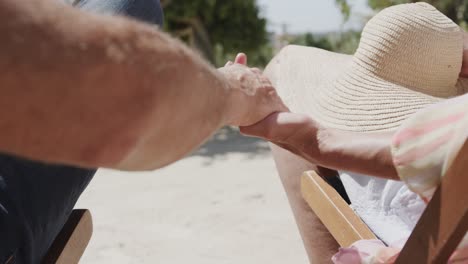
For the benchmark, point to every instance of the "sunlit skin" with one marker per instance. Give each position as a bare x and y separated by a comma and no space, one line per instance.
102,91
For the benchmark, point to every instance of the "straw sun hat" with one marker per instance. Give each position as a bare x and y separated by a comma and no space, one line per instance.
409,56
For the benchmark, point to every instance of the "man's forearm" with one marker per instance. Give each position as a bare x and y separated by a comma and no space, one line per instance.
100,91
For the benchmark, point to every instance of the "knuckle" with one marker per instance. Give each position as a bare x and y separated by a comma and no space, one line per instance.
243,77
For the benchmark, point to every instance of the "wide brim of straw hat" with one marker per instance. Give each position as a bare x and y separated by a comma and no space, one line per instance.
328,87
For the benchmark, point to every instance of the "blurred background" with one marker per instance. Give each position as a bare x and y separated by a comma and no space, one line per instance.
224,203
220,29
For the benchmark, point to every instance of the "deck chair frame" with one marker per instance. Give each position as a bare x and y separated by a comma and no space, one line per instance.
440,229
70,244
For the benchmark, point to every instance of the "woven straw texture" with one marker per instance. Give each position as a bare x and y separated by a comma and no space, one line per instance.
409,57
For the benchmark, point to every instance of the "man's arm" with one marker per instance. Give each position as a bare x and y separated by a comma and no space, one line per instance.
100,91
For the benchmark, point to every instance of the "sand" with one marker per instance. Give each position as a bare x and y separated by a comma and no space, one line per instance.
222,204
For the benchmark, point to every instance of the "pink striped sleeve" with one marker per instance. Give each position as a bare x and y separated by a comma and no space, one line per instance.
424,143
414,132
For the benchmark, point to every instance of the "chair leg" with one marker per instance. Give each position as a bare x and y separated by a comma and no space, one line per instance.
72,240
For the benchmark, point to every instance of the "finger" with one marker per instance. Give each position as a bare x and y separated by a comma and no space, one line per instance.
229,63
241,58
265,81
256,70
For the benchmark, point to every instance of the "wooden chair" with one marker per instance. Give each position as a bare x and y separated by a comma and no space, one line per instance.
438,232
72,240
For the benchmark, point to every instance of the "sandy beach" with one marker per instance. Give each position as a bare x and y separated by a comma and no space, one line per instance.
222,204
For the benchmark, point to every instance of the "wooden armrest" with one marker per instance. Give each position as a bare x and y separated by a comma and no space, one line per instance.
72,240
340,220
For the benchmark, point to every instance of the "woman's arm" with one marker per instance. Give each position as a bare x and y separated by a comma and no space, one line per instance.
365,153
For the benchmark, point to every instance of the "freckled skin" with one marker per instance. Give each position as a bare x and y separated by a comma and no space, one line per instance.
100,91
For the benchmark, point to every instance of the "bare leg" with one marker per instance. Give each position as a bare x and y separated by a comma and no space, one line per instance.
318,242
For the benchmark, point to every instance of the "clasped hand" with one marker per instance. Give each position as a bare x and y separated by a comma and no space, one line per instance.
259,111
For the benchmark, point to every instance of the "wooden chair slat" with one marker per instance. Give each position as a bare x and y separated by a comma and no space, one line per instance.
72,241
342,222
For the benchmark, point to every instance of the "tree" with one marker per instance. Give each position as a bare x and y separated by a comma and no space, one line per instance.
309,40
457,10
217,26
345,42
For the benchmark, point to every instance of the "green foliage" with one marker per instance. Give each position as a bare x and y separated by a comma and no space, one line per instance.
457,10
346,42
309,40
215,26
344,8
454,9
258,58
381,4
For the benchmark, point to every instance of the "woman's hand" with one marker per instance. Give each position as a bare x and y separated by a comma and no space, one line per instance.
297,133
252,97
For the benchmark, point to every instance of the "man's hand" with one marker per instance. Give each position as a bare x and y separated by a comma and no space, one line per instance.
252,97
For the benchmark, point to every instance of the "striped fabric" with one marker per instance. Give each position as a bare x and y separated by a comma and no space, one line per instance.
426,144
